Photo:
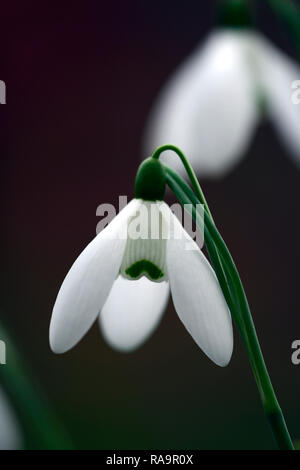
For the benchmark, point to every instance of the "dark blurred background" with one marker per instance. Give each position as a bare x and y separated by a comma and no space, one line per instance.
81,78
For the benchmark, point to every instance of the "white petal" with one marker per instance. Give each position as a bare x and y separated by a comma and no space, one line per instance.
10,432
208,107
279,73
88,283
198,298
132,311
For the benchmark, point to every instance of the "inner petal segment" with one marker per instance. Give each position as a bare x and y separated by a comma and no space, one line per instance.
145,252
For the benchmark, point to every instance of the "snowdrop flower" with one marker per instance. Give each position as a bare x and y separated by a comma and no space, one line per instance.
124,276
10,433
211,106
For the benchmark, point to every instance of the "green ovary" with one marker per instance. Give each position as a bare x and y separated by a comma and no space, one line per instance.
144,267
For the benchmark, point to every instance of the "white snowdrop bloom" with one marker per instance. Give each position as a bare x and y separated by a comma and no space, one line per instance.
124,277
10,432
210,107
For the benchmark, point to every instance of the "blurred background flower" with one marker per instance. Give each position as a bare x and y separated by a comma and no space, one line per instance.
81,79
211,106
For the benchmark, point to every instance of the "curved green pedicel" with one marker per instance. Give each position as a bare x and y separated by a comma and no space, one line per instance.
235,13
136,270
150,181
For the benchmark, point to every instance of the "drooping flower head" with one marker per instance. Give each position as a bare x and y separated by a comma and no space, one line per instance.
123,277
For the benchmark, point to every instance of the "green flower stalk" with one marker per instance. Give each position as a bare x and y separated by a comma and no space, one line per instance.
234,294
235,13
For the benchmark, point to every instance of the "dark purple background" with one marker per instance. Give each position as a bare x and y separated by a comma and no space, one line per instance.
81,78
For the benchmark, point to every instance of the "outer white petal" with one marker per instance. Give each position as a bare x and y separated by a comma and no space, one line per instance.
208,107
10,433
279,72
132,311
198,299
88,283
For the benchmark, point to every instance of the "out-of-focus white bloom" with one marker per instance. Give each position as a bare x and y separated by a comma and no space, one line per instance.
10,433
211,105
124,275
